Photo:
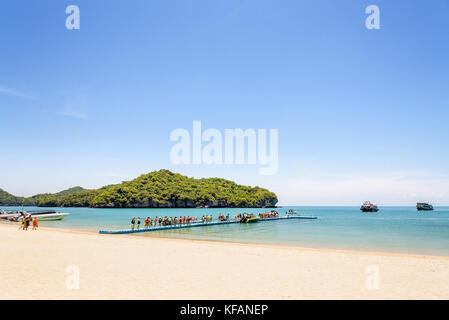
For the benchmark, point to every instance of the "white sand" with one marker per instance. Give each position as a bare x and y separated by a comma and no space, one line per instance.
33,266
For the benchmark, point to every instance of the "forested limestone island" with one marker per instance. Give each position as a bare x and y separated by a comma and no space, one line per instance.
157,189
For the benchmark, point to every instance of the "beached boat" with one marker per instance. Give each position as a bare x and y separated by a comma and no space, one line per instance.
40,215
6,215
424,206
369,207
51,216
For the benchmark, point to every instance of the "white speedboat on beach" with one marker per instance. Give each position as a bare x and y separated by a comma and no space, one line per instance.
41,215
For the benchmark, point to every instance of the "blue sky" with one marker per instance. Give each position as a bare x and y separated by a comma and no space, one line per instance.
362,114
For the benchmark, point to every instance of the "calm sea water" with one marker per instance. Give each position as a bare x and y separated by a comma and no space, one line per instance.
392,229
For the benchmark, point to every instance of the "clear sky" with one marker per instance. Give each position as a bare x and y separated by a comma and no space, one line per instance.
362,114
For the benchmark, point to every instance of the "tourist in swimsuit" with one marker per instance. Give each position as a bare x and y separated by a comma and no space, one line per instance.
133,222
138,223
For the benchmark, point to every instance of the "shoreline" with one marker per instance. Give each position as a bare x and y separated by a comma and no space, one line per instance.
35,266
242,243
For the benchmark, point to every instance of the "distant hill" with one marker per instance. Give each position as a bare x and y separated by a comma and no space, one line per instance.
60,194
158,189
7,199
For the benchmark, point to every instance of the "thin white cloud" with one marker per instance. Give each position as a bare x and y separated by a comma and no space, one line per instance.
13,92
74,103
73,114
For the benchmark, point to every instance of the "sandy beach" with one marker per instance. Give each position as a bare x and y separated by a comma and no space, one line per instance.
45,264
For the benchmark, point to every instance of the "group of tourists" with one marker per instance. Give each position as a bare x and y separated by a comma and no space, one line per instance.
266,215
171,221
175,221
159,221
222,217
26,221
206,219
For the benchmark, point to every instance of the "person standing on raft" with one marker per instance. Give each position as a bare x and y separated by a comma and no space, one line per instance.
133,222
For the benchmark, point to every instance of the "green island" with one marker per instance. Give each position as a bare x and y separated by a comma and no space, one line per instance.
157,189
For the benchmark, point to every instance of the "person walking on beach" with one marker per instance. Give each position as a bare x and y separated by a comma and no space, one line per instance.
35,224
133,222
27,222
22,226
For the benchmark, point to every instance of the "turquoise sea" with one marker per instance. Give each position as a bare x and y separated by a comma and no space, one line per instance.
392,229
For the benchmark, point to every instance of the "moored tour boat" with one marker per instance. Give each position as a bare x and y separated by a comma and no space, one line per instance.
249,218
369,207
424,206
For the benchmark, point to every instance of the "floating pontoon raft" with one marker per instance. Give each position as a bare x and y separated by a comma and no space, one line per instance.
197,224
